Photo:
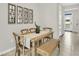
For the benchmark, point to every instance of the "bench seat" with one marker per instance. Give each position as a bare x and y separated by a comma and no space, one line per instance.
48,47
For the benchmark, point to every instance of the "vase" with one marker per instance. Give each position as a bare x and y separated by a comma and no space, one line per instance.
37,30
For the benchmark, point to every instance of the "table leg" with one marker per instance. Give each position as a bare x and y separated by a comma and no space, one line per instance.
37,43
33,49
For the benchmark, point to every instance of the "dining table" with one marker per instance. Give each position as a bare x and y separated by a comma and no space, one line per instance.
35,37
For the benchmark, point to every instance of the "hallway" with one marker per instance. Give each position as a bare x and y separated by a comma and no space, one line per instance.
70,44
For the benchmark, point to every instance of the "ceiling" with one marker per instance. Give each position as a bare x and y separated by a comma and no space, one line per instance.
68,4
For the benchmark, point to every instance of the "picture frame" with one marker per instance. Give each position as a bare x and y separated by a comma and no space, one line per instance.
25,15
30,16
11,14
19,15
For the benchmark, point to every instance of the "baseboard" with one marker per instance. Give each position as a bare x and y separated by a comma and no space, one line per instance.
70,31
4,52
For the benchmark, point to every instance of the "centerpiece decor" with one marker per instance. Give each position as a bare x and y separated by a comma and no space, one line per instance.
37,28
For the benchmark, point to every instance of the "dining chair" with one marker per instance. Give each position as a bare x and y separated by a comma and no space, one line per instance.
20,48
27,31
47,28
50,36
32,30
24,31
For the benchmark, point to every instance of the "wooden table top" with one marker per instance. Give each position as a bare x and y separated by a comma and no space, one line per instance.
37,36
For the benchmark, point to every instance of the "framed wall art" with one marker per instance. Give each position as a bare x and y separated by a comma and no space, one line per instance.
25,15
19,15
11,14
30,16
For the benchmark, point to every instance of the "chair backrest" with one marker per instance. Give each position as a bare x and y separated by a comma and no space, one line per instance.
47,28
24,31
32,30
17,38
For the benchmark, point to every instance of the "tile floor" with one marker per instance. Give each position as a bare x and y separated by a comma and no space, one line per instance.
69,45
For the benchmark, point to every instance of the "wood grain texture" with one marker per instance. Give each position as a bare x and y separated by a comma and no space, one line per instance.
47,48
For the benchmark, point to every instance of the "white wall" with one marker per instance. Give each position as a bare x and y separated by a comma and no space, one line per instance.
49,16
6,37
61,20
44,15
75,20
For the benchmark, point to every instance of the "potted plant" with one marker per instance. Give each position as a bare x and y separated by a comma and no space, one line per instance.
37,28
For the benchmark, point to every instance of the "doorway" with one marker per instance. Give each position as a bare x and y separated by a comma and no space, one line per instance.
68,21
71,20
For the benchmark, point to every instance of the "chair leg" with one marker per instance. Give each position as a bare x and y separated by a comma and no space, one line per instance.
30,53
24,52
59,46
18,51
15,53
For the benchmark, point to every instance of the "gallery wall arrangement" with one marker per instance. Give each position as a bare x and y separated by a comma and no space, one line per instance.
19,15
11,14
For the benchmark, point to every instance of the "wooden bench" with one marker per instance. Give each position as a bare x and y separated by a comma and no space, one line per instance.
48,47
